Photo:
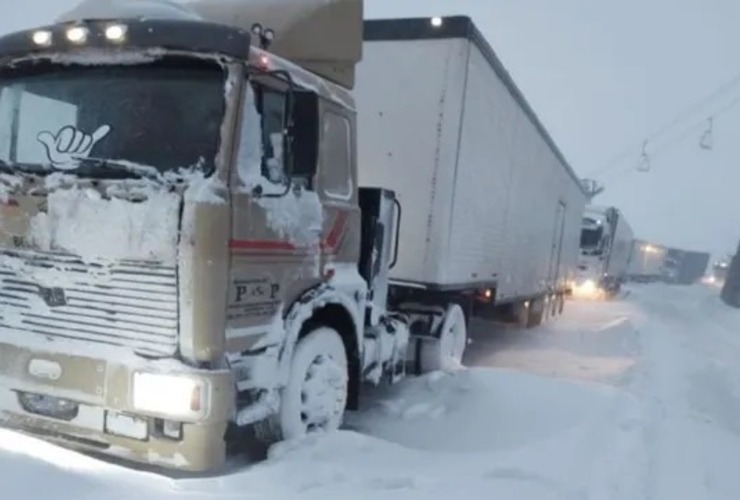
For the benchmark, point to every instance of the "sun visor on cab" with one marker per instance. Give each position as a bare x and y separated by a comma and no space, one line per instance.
323,36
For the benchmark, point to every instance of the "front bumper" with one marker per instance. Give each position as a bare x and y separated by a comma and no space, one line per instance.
587,286
100,389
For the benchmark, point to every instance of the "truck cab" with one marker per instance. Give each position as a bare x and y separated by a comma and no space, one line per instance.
184,248
605,248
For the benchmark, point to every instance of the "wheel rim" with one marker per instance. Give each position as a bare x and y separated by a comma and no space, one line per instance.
454,338
323,393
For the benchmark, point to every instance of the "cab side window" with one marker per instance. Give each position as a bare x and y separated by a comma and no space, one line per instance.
271,106
336,157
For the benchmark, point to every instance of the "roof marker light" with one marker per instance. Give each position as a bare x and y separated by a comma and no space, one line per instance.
116,33
78,34
437,22
42,38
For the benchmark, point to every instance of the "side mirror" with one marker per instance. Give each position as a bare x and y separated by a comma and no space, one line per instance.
302,140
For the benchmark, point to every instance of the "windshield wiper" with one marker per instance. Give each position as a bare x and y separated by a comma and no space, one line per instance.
102,166
6,167
16,168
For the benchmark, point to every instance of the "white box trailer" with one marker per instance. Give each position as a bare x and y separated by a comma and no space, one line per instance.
489,202
647,261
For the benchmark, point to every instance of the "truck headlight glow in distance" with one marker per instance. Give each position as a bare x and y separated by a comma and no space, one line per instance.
173,396
588,286
586,289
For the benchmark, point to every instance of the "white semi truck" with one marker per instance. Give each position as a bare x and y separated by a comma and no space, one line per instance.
490,205
185,251
606,248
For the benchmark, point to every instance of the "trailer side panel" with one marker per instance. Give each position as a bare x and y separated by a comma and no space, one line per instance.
488,200
409,102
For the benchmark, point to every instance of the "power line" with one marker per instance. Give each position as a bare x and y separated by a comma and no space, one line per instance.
690,130
690,111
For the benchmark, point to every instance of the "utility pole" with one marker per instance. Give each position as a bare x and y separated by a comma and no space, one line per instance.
592,188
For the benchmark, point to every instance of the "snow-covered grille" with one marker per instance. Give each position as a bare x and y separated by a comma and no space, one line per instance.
126,303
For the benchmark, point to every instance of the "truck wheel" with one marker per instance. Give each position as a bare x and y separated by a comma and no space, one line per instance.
521,314
552,309
315,396
445,351
536,312
545,309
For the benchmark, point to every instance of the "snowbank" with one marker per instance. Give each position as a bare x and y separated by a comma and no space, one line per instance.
668,431
478,433
486,409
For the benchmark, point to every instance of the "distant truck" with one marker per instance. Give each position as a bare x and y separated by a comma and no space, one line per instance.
720,270
647,262
185,249
490,205
605,248
684,267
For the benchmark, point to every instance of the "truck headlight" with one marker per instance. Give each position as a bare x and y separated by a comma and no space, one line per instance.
170,396
587,289
588,286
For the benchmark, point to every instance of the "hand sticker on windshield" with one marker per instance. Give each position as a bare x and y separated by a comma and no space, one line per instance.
70,145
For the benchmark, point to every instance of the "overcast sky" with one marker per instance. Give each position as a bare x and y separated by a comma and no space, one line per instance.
602,76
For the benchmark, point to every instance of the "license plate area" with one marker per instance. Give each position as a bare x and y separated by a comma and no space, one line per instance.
125,425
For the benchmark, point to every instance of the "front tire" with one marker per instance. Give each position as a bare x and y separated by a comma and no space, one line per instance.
315,397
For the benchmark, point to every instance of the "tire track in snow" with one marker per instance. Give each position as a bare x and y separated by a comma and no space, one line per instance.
673,438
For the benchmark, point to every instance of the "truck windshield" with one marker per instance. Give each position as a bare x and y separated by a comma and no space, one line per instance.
85,119
590,238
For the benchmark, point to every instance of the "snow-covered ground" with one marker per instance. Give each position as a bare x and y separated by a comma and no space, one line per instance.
636,399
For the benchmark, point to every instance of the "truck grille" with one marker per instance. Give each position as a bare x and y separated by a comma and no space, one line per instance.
126,303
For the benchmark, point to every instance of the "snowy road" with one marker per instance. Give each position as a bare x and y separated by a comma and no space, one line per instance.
637,399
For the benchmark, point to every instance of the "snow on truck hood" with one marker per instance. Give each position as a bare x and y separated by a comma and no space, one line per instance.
83,223
128,220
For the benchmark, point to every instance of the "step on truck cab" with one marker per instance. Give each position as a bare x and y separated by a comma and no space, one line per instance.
184,249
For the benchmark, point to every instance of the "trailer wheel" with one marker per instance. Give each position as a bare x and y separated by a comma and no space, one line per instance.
536,312
445,351
521,313
552,306
315,396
